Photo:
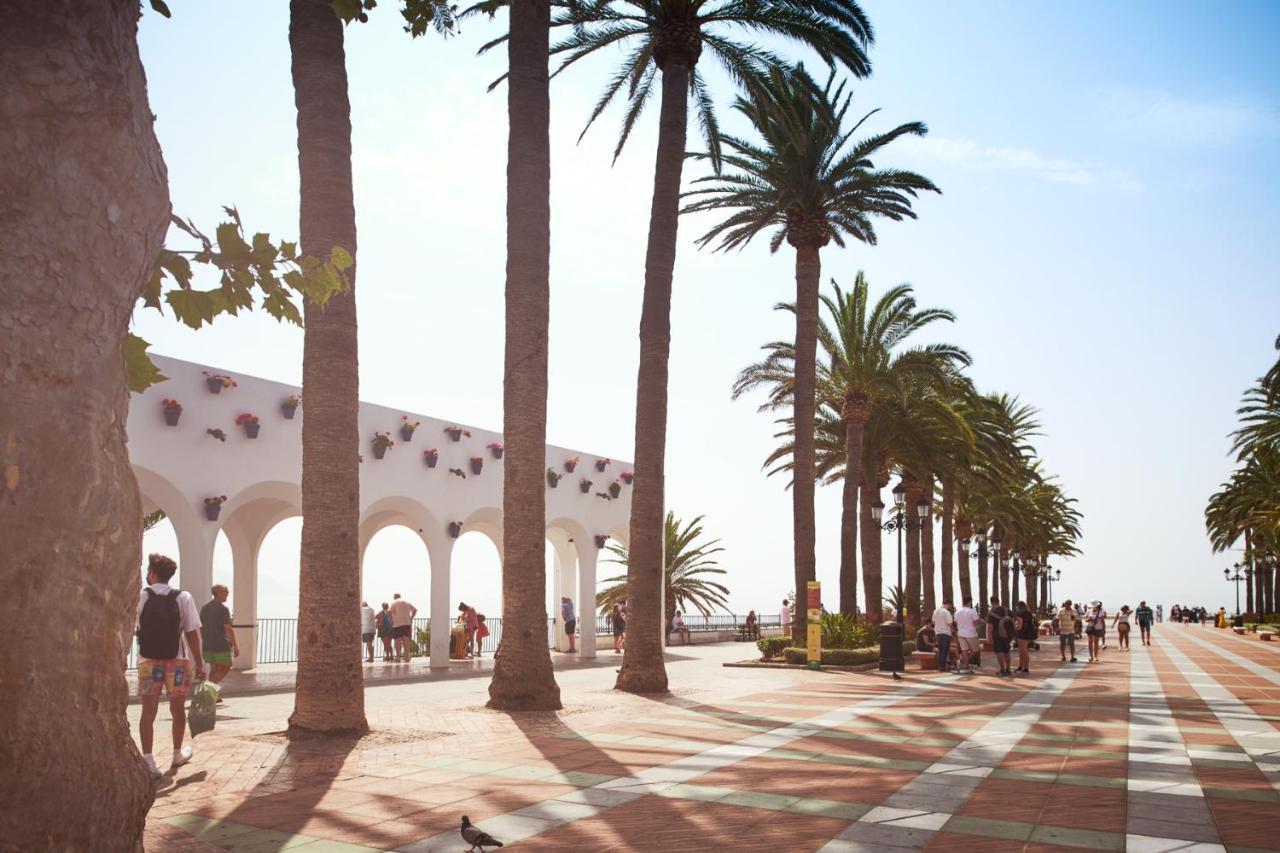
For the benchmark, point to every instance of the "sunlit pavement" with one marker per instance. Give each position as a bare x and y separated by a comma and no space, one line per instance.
1171,747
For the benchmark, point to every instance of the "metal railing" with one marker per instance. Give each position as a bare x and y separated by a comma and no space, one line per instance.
277,639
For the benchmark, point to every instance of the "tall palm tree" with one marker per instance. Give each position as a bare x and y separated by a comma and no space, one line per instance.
688,562
812,184
522,675
330,681
668,37
86,210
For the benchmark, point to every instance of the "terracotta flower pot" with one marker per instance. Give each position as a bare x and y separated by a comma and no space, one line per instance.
214,385
431,460
406,433
171,416
379,451
211,511
476,467
251,430
288,411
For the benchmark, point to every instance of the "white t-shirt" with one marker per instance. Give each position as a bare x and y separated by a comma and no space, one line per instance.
678,623
786,615
401,613
366,620
967,622
187,611
943,622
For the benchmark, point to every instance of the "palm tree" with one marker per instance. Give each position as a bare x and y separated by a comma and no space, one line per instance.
688,563
669,36
813,185
330,681
69,490
522,675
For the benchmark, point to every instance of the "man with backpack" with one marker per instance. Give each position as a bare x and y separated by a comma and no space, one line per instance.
168,648
1000,630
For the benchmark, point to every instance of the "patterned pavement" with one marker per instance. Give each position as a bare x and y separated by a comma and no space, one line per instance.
1169,747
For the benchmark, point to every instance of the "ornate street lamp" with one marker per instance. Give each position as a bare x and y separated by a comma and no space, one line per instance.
1236,577
900,522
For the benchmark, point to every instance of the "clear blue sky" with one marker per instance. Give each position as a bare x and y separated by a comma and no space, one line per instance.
1107,237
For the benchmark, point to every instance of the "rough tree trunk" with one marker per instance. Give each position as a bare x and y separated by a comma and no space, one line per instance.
983,556
927,568
85,204
911,538
808,270
855,418
872,574
948,541
330,693
523,678
1015,571
643,669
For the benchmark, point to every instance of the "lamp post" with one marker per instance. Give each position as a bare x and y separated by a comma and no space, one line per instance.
900,522
1052,576
981,553
1236,578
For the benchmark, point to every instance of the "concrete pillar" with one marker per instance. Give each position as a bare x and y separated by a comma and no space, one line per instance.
587,554
195,557
563,576
244,594
441,611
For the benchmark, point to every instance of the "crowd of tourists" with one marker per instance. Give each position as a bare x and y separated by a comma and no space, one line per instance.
955,635
1188,615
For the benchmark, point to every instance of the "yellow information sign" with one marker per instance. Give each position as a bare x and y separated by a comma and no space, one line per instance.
813,604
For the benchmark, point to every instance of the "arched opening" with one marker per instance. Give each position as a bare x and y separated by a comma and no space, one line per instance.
477,580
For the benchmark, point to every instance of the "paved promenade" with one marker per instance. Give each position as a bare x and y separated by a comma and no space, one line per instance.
1168,747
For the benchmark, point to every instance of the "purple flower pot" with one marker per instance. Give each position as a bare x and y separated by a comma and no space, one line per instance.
431,460
379,451
477,467
455,529
406,433
552,482
288,411
570,466
496,451
601,541
214,385
211,511
455,434
600,465
585,486
171,416
251,430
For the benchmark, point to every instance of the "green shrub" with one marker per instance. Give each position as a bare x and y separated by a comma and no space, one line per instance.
841,632
420,643
843,657
795,655
772,647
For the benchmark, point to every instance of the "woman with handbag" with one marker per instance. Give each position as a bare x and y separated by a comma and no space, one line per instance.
1095,622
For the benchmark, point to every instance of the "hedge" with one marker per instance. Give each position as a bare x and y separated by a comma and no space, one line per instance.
844,657
772,647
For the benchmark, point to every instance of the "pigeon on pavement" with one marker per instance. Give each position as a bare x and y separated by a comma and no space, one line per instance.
476,837
896,677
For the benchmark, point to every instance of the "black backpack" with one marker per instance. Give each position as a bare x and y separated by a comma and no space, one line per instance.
160,626
1006,627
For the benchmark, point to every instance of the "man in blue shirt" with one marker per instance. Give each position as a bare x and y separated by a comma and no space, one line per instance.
1143,613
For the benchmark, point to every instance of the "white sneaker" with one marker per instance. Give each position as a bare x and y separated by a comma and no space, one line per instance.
152,766
182,756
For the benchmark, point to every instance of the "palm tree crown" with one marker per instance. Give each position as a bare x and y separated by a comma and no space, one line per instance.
688,563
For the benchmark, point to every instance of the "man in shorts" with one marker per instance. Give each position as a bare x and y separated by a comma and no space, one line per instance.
217,636
402,613
368,628
168,631
1068,628
966,620
1143,615
1000,630
570,620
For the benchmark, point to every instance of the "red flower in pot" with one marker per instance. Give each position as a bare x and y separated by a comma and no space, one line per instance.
496,449
213,506
477,464
172,411
627,477
431,457
601,464
249,423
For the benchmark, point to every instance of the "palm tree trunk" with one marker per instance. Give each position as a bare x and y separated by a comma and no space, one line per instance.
523,679
330,681
948,527
912,536
966,581
643,670
983,555
1004,579
855,415
1015,569
808,270
872,579
927,568
86,207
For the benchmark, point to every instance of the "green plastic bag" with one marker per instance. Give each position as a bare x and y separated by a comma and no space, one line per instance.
202,714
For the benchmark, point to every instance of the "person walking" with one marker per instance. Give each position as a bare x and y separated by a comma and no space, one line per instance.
385,631
217,635
618,624
1000,630
1159,612
1079,621
784,617
1068,628
368,629
944,628
402,613
1095,622
1025,631
570,619
966,620
1121,624
168,631
1143,614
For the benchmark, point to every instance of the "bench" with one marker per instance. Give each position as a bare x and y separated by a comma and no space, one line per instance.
1239,631
1266,635
926,660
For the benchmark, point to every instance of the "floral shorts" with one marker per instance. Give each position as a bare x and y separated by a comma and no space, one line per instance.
164,676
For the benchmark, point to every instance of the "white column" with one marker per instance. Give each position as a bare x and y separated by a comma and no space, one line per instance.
441,613
586,597
565,574
195,557
244,592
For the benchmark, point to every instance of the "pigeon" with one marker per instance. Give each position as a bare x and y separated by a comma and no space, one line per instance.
476,837
896,677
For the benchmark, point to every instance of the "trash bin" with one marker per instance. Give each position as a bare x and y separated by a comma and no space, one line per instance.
1237,622
891,648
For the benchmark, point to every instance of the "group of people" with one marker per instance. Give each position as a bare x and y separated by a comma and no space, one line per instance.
950,627
392,626
1184,614
1075,621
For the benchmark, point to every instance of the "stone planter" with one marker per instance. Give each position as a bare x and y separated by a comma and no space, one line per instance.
171,416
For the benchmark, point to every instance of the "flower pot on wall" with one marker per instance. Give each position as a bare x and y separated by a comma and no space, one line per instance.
212,511
615,489
214,384
251,430
288,411
171,416
627,477
585,485
496,451
406,433
601,541
455,529
477,465
455,433
379,451
601,464
570,466
431,459
552,481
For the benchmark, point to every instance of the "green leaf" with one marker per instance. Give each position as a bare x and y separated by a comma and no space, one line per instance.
341,259
193,307
288,250
140,371
231,245
161,7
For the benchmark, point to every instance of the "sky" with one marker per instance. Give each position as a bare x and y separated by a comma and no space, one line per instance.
1105,236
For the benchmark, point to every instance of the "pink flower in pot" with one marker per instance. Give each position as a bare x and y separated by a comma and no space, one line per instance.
431,457
249,423
172,411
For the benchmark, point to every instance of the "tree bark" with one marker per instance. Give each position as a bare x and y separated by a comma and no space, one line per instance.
643,667
966,580
948,541
855,414
85,206
927,568
911,537
983,556
1015,571
330,683
523,678
808,271
872,573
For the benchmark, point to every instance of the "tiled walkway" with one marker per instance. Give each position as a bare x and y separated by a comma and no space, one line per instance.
1172,747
